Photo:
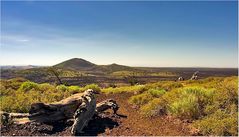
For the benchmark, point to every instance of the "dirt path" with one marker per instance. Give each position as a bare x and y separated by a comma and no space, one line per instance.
129,123
137,125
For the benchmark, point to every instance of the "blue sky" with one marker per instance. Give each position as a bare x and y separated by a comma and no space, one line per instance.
159,34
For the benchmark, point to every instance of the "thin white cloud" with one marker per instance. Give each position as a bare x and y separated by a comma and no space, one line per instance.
23,40
33,35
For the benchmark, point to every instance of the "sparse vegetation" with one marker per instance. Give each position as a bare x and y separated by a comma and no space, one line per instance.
19,98
141,99
26,86
210,104
156,92
154,107
142,73
135,88
219,123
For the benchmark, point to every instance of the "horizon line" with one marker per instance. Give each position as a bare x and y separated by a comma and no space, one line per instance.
21,65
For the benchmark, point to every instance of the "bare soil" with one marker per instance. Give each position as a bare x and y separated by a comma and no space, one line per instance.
128,122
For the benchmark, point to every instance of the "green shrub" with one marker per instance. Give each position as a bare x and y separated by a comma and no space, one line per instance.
156,92
171,85
62,88
185,108
191,102
46,87
74,89
154,107
92,86
171,96
135,88
218,124
198,91
204,96
141,99
28,85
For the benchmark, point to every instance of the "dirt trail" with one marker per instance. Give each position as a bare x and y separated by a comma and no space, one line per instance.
137,125
128,123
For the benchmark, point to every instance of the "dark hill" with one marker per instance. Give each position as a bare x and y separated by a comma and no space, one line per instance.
84,65
75,64
113,68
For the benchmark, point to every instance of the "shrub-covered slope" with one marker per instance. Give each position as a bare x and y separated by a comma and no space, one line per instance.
210,105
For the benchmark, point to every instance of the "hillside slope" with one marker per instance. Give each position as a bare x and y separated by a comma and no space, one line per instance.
75,64
79,64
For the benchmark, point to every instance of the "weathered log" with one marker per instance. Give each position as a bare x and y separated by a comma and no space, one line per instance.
22,118
80,107
62,110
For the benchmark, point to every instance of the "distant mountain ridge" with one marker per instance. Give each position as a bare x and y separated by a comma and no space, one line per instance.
78,67
79,64
12,67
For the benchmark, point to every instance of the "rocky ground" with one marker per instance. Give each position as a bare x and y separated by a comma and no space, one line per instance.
128,122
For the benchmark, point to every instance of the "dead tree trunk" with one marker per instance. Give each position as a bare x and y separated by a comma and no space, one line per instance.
56,74
84,113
